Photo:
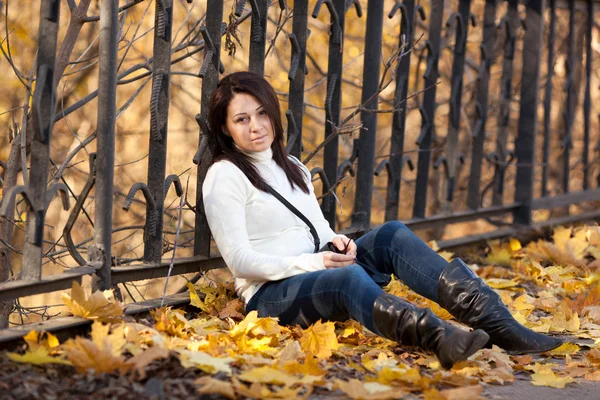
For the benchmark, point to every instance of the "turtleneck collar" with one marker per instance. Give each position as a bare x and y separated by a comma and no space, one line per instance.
260,157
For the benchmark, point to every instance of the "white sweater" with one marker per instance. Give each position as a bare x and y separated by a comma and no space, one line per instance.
258,237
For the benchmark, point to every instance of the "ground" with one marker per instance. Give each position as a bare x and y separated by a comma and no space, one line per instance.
211,349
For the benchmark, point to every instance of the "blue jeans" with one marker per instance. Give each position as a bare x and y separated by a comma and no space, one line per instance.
349,292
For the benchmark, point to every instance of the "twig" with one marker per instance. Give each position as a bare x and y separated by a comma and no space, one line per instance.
181,200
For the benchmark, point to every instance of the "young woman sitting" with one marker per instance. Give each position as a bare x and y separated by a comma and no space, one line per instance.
271,251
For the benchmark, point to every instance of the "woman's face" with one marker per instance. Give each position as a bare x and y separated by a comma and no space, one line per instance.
248,123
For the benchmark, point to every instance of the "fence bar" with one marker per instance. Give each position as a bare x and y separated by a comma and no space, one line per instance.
366,145
210,79
42,112
333,101
297,71
587,102
487,58
407,27
258,35
566,199
105,155
159,116
548,99
530,84
461,29
442,220
19,288
510,22
567,140
152,271
429,106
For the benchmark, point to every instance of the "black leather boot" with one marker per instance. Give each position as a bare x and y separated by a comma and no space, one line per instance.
472,302
410,325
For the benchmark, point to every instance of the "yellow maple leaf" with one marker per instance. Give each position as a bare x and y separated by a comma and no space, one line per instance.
561,236
522,303
500,254
309,367
256,326
205,361
209,385
96,307
37,356
468,392
101,354
355,389
268,375
402,374
260,391
499,283
514,245
544,376
43,339
172,322
565,349
319,339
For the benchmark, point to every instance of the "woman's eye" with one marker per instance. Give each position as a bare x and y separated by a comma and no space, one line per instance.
262,112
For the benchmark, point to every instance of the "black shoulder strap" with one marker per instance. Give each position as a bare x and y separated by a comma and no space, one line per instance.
298,214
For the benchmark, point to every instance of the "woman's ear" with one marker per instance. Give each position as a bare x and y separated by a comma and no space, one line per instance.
225,131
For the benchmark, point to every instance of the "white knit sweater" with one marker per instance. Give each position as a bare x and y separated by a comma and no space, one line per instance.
258,237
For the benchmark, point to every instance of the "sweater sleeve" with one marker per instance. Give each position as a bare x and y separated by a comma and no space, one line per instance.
225,193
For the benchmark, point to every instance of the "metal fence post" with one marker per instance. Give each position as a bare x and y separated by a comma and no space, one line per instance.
368,133
429,105
333,101
42,112
210,78
258,35
107,92
297,72
159,112
530,84
487,58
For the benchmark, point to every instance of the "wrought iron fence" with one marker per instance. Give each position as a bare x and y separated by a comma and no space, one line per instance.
521,32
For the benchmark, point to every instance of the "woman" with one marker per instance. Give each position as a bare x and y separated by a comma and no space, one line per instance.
269,250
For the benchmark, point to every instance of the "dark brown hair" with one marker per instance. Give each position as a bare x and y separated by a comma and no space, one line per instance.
223,146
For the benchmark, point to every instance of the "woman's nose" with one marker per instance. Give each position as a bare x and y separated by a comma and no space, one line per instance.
254,125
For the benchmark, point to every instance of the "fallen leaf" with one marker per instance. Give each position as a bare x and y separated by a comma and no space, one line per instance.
36,356
498,283
96,307
564,349
205,362
461,393
268,375
233,309
142,360
522,360
356,389
544,376
319,339
209,385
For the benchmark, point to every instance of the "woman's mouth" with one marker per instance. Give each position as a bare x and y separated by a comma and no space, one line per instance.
259,139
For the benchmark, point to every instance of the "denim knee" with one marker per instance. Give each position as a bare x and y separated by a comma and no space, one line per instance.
352,274
391,227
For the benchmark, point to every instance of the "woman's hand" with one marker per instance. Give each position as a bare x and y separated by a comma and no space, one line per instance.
336,260
343,243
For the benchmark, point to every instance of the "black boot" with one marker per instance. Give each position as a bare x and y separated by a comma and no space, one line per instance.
410,325
472,302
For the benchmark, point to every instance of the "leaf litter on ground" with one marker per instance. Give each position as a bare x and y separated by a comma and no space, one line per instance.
550,286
